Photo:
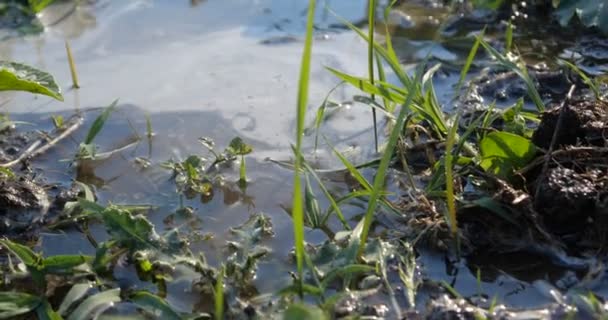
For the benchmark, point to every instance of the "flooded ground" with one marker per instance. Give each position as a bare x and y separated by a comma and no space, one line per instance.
222,69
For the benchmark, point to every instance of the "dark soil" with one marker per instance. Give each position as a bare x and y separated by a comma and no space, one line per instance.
583,123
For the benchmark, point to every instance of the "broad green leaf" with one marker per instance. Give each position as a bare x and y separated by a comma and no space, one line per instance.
503,152
21,77
154,305
16,303
95,303
304,312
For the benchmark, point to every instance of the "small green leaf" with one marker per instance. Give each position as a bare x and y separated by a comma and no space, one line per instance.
238,147
304,312
21,77
503,152
16,303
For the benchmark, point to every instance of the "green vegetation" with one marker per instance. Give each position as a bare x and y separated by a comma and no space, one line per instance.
446,168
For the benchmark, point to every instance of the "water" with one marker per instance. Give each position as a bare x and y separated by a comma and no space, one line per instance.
218,69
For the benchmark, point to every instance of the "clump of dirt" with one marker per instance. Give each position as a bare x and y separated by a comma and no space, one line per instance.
583,123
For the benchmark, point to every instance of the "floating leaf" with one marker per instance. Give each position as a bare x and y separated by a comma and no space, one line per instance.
21,77
503,152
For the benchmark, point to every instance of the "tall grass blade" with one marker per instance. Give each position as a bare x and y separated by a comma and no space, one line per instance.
449,176
298,203
68,50
386,158
469,62
371,21
586,79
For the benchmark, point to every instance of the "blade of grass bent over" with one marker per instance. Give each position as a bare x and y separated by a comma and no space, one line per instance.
298,204
386,158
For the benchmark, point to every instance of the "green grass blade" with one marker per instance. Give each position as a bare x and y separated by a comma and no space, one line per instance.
585,78
469,62
330,198
371,21
72,64
449,176
509,37
100,121
389,56
386,158
520,70
298,203
351,168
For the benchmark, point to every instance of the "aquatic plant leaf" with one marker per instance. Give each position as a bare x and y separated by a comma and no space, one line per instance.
503,152
95,303
238,147
304,312
21,77
13,304
154,305
131,231
592,13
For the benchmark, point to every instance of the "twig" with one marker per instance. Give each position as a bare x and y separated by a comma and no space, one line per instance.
34,150
558,126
